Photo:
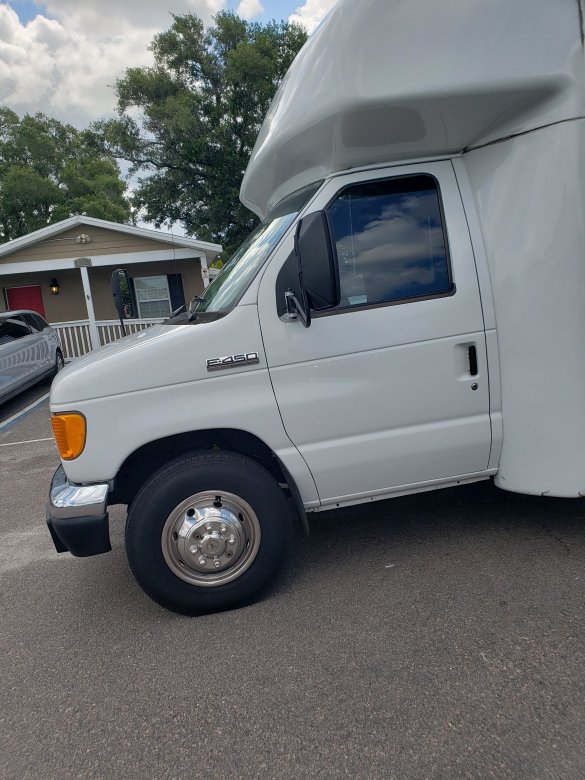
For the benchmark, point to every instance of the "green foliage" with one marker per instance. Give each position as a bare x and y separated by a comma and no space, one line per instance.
50,170
189,123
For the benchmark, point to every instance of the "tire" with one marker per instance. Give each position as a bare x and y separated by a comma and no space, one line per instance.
59,363
192,553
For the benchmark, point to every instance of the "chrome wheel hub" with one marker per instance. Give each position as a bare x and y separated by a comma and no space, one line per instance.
211,538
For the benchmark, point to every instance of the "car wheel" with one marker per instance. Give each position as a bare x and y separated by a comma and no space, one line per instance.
59,363
207,532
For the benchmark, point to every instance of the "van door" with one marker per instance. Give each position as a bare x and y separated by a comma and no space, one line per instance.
389,390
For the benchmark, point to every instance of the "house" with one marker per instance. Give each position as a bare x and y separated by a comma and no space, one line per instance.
64,271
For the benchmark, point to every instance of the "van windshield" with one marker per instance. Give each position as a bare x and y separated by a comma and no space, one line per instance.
228,287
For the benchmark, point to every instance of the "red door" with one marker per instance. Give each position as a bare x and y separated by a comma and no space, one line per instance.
26,298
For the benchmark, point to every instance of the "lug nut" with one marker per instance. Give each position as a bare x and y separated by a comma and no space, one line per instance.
194,549
208,527
217,564
223,529
232,539
202,561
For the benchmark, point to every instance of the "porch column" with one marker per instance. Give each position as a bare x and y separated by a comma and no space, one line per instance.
94,336
204,271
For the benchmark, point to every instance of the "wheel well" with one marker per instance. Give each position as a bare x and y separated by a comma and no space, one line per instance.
150,457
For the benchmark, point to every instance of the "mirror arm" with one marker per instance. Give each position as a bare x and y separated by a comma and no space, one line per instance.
295,310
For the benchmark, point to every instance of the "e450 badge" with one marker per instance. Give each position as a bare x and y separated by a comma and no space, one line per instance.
233,361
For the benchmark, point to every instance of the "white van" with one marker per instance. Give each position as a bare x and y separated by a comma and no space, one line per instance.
409,316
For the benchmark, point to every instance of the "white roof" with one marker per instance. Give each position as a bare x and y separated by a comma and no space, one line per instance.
388,80
210,250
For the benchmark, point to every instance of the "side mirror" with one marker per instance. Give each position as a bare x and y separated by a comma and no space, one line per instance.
317,269
316,258
120,289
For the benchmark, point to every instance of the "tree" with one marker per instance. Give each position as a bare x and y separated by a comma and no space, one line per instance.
50,170
189,122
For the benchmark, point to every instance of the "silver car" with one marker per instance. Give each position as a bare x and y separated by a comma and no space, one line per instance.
29,351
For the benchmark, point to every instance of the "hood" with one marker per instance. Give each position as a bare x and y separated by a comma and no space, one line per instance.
158,356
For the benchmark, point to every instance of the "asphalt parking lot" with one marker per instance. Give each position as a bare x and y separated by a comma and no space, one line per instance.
437,636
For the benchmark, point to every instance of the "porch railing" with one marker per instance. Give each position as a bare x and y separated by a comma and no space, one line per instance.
74,336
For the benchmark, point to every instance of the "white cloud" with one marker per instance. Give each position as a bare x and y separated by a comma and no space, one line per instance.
248,9
66,65
311,13
114,17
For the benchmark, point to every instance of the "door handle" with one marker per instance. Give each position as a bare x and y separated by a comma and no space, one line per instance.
472,360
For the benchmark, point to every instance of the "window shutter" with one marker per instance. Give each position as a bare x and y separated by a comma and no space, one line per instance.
176,293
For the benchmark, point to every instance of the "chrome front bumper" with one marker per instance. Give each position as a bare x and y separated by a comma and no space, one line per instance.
77,516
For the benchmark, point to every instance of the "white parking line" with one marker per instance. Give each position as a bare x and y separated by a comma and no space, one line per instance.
7,423
28,441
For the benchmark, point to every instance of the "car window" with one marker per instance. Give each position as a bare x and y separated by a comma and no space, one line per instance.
31,320
391,245
42,323
12,329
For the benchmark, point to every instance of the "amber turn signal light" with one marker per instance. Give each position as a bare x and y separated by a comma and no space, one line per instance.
69,431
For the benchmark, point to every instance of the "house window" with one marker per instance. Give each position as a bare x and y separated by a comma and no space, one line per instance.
152,296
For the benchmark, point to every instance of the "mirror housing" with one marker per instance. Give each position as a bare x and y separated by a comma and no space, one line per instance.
317,262
119,280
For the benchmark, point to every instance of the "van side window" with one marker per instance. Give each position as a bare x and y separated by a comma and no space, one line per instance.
391,245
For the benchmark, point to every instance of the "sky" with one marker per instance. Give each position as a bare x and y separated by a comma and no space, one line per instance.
62,57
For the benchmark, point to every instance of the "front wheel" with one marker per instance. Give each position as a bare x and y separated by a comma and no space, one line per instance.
207,532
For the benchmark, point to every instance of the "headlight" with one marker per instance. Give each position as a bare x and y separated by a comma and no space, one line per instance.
69,431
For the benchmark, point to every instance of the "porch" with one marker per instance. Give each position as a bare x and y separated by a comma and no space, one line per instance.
75,337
